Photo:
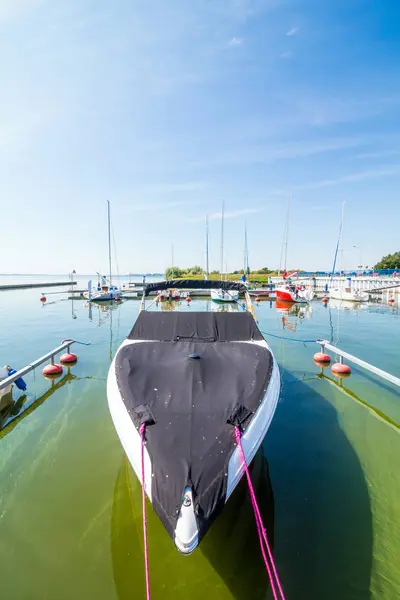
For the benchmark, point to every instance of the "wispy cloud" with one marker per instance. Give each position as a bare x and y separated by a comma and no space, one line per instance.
233,214
286,54
353,177
320,207
252,153
292,31
171,188
157,206
378,154
235,41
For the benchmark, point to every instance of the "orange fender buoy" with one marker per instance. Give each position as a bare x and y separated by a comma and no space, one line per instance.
322,358
52,370
69,358
43,299
341,369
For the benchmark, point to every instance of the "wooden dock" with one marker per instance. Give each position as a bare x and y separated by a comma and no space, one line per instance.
25,286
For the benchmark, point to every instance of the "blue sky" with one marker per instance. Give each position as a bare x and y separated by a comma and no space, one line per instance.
166,107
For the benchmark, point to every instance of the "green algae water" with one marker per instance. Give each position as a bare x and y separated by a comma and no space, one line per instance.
327,480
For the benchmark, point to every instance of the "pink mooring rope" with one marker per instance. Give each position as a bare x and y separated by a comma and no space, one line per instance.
146,552
262,532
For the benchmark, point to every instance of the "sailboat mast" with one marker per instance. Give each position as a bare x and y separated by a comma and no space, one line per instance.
222,238
341,239
246,252
283,257
207,265
109,241
287,234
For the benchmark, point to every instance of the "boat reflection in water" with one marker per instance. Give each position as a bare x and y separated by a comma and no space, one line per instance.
223,307
339,382
227,563
292,314
169,304
12,411
347,305
102,308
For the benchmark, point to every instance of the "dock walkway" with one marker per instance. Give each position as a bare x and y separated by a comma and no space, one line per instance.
25,286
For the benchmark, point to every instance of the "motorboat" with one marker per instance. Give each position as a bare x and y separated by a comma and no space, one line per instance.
179,388
224,295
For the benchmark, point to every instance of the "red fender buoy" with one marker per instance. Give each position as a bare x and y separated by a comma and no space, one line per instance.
341,369
188,299
69,358
52,370
257,299
324,299
391,300
43,299
117,299
322,358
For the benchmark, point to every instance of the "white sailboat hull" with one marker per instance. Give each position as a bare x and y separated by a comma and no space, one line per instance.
105,296
348,296
288,294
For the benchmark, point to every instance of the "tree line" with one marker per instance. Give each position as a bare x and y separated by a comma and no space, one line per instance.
391,261
178,273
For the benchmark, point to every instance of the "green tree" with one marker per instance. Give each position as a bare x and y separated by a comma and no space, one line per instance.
173,273
391,261
196,270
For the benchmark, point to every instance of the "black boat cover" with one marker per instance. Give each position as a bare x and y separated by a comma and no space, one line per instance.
191,380
194,284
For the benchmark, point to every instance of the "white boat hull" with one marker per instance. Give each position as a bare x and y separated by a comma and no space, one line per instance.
224,295
103,296
348,296
186,536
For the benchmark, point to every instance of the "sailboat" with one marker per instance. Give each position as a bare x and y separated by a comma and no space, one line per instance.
105,290
345,292
223,294
289,291
179,388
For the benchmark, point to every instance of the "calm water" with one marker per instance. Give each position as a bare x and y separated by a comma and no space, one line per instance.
70,513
